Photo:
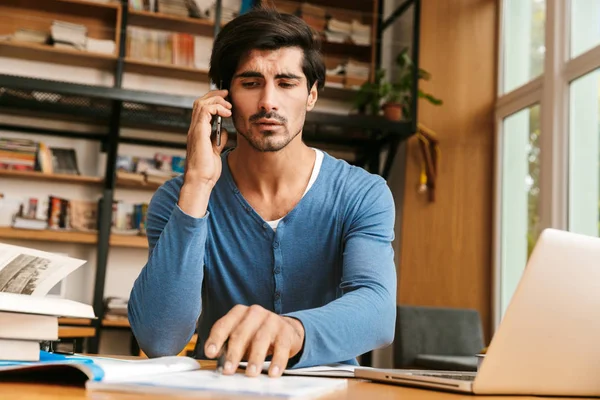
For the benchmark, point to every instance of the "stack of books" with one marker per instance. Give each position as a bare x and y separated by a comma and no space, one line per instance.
173,7
25,35
18,154
314,16
357,73
164,47
29,155
28,315
68,35
338,31
361,33
27,320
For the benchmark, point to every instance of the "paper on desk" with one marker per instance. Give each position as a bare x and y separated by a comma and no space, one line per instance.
118,370
331,370
288,387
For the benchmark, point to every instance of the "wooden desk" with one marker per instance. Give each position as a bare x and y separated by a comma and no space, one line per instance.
357,390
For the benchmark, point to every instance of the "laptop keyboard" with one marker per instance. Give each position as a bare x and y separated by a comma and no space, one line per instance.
462,377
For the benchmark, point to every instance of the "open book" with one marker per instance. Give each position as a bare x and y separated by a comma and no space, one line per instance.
32,272
58,368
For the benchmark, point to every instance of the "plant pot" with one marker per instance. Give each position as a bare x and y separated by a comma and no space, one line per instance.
392,111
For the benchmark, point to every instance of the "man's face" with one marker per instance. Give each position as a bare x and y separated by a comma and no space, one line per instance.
270,97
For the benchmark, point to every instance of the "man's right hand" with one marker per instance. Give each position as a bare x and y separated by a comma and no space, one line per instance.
203,159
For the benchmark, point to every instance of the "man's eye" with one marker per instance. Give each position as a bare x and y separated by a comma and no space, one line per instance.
287,85
249,84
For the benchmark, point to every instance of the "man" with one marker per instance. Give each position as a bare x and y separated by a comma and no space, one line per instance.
274,247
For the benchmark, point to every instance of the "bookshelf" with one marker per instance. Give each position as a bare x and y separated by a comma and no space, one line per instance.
102,21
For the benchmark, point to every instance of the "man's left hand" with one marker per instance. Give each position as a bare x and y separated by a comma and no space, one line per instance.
255,333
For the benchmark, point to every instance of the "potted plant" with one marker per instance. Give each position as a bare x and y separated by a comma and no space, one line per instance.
398,100
393,98
370,95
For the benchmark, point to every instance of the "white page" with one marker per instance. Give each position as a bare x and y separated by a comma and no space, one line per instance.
332,370
32,272
27,304
118,370
210,381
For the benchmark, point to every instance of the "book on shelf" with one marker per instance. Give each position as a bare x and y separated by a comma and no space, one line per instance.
68,35
18,154
170,48
24,35
145,170
63,35
204,9
83,215
115,308
27,315
50,212
31,214
29,155
128,218
64,161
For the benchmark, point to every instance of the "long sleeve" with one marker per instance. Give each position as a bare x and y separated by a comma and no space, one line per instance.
364,317
165,301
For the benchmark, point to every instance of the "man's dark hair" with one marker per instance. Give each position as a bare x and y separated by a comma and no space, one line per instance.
265,29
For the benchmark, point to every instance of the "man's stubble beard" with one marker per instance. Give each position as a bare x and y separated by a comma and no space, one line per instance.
263,145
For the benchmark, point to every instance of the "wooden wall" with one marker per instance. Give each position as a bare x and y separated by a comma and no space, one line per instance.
446,257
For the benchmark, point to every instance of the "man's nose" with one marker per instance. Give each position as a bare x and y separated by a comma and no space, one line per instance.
268,99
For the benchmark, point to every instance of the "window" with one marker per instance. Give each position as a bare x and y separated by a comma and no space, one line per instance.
520,195
585,25
584,149
523,38
548,123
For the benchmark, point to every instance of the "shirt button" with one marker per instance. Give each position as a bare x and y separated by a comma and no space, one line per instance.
277,270
265,225
277,295
275,244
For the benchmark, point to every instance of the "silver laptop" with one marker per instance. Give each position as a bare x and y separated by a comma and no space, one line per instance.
549,340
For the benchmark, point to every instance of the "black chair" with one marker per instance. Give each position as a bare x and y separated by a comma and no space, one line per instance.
437,338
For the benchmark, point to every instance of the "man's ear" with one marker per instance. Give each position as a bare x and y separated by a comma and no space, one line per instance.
313,94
